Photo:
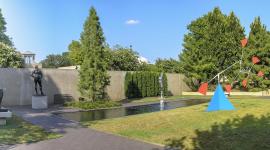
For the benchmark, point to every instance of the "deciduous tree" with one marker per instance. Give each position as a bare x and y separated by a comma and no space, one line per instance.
55,61
75,52
9,58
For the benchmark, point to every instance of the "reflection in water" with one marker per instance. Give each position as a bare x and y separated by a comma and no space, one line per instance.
126,111
161,103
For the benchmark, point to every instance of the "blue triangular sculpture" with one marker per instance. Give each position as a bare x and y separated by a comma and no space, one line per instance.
219,101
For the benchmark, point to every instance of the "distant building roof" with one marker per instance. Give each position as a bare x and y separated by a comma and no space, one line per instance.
28,53
69,67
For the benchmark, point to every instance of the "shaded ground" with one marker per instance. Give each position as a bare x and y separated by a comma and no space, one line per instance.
18,131
241,133
191,127
75,137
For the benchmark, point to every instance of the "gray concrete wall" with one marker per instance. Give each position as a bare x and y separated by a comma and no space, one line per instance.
116,89
19,87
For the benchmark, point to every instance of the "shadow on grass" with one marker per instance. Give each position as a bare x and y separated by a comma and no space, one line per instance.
245,133
18,131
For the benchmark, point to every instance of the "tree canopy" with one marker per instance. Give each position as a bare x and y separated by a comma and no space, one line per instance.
211,45
55,61
9,58
3,37
258,46
124,59
93,73
168,65
75,52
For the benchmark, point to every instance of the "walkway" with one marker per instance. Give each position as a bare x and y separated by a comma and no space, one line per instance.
75,137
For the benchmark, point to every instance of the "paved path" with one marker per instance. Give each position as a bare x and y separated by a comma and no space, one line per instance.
75,137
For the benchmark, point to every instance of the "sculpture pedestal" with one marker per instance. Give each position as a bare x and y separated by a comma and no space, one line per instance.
4,115
39,102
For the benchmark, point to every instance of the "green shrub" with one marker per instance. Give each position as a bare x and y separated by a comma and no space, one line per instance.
255,90
92,105
144,84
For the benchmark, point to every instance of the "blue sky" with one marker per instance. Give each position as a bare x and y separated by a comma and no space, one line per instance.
155,28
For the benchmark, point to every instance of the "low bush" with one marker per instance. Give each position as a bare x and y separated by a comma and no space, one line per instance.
92,105
255,90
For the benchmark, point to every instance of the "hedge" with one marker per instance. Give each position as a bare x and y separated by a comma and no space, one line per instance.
144,84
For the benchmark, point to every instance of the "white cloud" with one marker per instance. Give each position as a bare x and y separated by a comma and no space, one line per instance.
143,60
132,22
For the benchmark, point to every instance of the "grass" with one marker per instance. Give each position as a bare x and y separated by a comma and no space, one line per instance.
18,131
248,127
156,99
168,98
86,105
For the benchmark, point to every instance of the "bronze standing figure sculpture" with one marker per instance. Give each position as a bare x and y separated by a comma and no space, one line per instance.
37,75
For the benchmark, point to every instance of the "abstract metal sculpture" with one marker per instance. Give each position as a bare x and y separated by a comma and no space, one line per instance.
219,100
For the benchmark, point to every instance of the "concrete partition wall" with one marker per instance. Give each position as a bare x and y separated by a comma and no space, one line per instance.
116,89
19,87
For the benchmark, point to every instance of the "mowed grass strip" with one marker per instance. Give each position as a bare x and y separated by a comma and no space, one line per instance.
18,131
169,98
193,128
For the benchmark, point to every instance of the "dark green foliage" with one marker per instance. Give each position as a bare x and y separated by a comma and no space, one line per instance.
139,83
124,59
148,67
93,72
148,84
211,45
3,37
259,46
130,81
157,84
75,52
9,57
127,82
152,84
168,65
144,84
55,61
86,105
165,85
135,79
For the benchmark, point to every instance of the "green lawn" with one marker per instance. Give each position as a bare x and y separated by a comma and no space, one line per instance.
248,127
18,131
156,99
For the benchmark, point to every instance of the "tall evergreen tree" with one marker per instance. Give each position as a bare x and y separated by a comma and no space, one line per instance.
210,46
258,46
3,37
93,73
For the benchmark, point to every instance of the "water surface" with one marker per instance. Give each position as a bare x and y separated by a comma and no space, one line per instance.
92,115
